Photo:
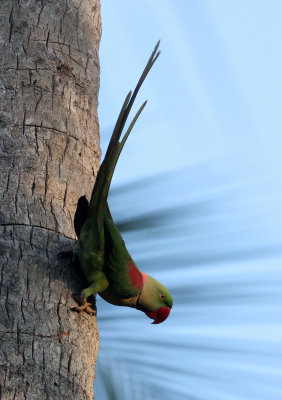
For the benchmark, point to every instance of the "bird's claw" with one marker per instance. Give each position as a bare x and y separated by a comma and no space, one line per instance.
85,306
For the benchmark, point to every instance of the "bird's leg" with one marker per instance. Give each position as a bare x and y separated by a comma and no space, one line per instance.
96,287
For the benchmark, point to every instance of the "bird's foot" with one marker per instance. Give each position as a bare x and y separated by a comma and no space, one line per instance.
85,306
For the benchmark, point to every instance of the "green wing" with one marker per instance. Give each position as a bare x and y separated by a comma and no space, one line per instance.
124,277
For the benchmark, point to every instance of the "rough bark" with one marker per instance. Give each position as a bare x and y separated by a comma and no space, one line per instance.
49,156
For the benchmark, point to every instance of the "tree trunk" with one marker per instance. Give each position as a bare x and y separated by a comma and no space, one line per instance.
49,81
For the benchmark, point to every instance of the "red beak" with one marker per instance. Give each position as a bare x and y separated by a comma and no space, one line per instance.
159,315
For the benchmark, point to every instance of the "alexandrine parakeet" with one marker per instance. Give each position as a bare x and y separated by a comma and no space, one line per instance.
104,259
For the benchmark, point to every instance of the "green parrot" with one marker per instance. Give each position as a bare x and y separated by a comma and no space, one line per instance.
104,259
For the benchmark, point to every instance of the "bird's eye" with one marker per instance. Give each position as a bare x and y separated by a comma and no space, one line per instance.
162,296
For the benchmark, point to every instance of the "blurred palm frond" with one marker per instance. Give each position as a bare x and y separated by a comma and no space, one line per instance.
221,259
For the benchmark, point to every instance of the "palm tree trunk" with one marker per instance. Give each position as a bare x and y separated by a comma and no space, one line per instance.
49,156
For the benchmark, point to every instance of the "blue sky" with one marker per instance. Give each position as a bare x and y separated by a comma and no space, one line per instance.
212,134
215,90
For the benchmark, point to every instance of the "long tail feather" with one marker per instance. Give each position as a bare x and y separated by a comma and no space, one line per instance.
126,109
122,143
103,181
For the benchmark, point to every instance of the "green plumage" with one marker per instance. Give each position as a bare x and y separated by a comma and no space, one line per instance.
118,262
102,253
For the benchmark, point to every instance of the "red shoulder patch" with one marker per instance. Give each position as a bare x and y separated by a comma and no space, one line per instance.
135,276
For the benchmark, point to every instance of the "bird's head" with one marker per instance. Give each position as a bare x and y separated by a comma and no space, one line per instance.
155,300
